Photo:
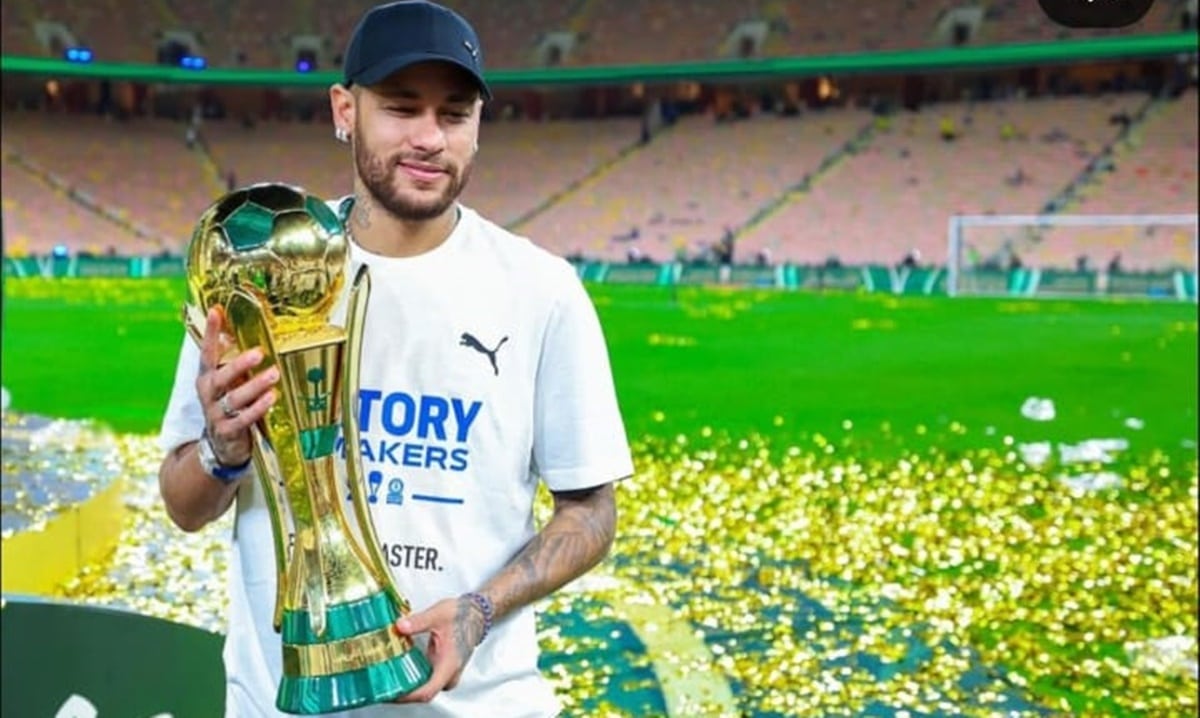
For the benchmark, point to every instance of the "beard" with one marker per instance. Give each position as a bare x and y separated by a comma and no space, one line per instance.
378,176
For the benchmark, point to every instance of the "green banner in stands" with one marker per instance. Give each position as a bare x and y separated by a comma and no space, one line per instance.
892,63
878,278
59,659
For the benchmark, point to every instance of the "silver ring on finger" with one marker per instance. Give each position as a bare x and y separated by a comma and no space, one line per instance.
226,409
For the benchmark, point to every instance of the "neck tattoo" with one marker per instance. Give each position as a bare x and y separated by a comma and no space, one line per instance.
360,214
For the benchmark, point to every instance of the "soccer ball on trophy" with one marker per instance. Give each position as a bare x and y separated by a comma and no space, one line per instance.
286,244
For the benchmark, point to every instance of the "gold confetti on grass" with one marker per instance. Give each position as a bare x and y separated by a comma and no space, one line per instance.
824,583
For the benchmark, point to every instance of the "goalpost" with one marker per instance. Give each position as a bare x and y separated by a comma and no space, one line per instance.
1147,255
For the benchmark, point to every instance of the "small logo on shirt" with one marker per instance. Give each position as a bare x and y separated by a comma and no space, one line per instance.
469,340
395,495
374,481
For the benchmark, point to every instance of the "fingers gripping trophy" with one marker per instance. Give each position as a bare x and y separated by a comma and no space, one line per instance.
275,259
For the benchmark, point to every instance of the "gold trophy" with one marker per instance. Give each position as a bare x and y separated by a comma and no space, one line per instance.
275,258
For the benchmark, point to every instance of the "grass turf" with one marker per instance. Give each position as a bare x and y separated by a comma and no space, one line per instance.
884,372
901,373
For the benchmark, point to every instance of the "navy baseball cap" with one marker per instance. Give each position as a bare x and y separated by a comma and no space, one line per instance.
393,36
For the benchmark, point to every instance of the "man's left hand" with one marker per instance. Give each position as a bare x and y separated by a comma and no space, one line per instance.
454,626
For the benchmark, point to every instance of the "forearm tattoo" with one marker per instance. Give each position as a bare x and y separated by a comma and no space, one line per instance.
468,628
575,539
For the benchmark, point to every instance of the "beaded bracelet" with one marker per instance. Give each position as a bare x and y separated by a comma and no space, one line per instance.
484,604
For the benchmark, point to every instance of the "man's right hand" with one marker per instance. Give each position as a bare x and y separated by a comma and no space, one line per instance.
232,399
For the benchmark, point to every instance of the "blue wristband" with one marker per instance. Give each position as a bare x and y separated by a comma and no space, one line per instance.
484,604
229,473
213,466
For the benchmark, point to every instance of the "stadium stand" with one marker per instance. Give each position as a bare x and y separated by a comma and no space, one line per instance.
822,27
106,26
896,194
521,165
297,153
691,183
38,217
162,185
1155,170
16,23
239,34
1150,171
588,188
258,34
840,182
646,31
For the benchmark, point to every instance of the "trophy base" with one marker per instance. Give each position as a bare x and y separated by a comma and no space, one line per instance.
358,661
378,683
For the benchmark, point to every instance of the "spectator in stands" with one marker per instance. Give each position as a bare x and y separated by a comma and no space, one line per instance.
631,236
230,181
1018,178
947,130
912,259
1056,134
409,109
1114,264
763,257
1081,264
724,250
722,253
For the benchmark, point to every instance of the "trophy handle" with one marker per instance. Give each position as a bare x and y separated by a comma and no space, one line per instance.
270,493
356,317
194,322
250,323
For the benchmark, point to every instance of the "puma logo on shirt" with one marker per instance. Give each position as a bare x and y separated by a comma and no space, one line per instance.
468,340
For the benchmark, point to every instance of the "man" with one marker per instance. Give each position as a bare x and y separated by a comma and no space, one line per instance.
484,370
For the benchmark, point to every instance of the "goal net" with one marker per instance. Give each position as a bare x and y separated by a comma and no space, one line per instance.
1073,255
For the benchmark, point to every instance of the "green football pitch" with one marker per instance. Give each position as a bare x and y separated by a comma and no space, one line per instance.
831,511
880,371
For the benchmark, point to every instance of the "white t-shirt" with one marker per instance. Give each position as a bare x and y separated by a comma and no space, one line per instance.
456,434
